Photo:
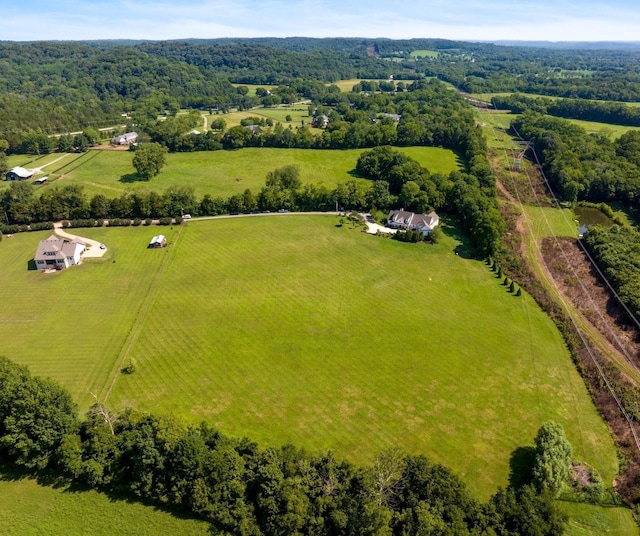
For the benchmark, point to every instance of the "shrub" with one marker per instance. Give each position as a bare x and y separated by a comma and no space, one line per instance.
119,222
165,221
83,223
41,226
137,222
148,221
129,367
408,236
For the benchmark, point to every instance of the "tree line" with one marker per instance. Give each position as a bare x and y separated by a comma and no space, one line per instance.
617,252
615,113
396,181
582,166
241,488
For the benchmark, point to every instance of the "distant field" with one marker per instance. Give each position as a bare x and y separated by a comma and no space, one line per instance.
225,173
298,113
288,328
27,508
347,85
503,120
425,54
253,87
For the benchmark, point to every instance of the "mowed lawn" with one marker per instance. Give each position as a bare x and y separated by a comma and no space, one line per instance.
27,508
290,329
286,328
224,173
72,325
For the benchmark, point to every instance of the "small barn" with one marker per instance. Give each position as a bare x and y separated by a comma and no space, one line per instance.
41,180
19,174
158,241
125,139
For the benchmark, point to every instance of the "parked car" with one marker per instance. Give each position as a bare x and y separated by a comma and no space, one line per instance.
102,246
186,217
283,210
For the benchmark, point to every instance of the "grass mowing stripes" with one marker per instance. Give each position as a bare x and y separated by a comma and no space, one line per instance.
287,328
292,329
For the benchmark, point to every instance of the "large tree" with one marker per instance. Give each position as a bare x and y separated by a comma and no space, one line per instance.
553,458
149,159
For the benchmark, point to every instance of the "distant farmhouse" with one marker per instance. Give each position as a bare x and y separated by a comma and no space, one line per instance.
157,242
320,121
19,174
401,219
58,254
125,139
395,117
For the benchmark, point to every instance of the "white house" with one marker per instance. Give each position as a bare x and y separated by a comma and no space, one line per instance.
125,139
401,219
19,174
59,254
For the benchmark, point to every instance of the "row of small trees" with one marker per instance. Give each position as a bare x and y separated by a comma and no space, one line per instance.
243,489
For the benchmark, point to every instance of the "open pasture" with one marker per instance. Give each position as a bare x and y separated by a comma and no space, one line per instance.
278,114
289,328
252,87
224,173
425,54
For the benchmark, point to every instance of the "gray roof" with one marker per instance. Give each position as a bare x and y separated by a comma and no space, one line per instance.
56,248
405,218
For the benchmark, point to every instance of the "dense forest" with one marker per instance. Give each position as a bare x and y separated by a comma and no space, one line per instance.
64,87
243,489
425,112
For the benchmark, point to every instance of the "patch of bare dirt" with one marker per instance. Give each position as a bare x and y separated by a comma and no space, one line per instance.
578,281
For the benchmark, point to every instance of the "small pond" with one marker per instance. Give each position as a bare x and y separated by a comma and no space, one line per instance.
588,216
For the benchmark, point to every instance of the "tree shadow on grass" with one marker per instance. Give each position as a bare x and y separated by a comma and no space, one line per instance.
355,174
13,473
464,248
132,177
521,466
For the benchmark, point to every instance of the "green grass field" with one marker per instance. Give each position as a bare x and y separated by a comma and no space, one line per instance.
590,520
288,328
27,508
226,173
298,113
425,54
546,221
503,120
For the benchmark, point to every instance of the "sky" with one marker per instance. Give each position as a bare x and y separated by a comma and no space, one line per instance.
471,20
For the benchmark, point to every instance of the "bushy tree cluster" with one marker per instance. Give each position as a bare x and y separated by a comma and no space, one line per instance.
617,252
242,489
582,166
615,113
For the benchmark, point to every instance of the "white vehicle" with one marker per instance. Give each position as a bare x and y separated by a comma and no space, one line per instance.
186,217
